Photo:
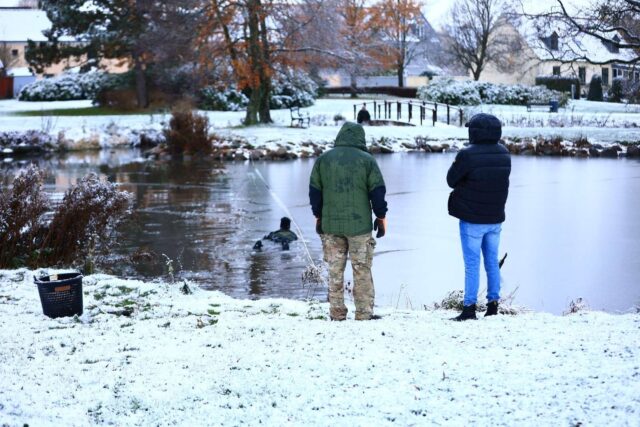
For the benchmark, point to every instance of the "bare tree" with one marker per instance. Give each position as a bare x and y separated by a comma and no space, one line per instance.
616,23
478,33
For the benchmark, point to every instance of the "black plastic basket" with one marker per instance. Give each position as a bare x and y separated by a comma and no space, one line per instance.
60,294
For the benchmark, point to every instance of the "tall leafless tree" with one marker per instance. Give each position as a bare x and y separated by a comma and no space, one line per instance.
616,23
480,32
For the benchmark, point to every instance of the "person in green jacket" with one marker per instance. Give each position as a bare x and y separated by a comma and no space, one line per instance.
345,186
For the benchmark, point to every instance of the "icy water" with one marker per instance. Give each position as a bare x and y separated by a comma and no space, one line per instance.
572,227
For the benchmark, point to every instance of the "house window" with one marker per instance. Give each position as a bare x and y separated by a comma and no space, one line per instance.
14,53
556,70
605,76
582,74
614,45
553,41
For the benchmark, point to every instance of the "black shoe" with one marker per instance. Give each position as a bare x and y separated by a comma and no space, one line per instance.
492,309
258,246
468,313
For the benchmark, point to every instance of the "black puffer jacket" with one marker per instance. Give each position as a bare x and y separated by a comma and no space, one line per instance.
480,174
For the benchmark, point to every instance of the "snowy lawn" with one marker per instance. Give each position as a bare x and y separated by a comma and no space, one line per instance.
600,122
147,354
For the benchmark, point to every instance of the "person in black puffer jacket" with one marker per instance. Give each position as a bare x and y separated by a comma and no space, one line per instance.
479,177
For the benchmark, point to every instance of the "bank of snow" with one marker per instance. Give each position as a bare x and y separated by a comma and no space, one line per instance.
603,123
147,354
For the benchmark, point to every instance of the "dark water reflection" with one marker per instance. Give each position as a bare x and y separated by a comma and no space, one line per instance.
571,230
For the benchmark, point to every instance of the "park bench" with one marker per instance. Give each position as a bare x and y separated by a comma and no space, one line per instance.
551,105
298,118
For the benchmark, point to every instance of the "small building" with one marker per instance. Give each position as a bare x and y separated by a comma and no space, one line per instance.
22,76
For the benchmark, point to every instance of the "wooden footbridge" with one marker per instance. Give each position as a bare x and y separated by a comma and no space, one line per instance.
412,112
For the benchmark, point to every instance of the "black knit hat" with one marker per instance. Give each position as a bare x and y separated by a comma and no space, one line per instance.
484,129
285,223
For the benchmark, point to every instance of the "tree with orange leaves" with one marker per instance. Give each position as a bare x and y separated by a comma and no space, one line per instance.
237,31
250,39
395,21
357,37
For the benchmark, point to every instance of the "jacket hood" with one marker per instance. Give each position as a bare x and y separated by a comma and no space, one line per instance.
484,129
351,135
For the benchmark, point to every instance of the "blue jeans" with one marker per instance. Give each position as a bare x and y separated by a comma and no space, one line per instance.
476,238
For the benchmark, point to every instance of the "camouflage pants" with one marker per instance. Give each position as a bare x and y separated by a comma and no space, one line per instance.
360,250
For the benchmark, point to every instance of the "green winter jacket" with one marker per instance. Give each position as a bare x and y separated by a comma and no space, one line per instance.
346,184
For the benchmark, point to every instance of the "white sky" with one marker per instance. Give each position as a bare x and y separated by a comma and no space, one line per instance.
436,10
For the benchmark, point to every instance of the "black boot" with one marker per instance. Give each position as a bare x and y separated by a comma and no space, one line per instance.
468,313
492,309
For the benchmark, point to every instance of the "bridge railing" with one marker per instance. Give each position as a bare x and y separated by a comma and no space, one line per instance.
417,111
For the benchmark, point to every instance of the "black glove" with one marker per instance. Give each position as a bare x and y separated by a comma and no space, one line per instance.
319,226
379,224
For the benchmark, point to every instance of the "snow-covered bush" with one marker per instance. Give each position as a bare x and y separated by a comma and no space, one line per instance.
560,83
449,91
222,99
292,88
69,86
623,89
82,222
289,88
616,91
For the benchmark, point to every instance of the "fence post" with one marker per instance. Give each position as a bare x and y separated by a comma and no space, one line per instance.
435,117
410,112
435,111
461,115
379,115
448,115
354,113
398,111
374,110
421,114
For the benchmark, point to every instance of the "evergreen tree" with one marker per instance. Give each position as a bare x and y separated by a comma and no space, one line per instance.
140,32
616,91
595,89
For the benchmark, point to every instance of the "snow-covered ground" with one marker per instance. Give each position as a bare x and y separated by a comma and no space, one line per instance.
600,122
147,354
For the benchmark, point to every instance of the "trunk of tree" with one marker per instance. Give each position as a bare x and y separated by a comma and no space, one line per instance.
353,86
251,117
401,76
142,96
265,73
260,79
253,50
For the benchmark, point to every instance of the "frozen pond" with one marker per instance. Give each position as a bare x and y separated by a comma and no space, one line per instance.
571,229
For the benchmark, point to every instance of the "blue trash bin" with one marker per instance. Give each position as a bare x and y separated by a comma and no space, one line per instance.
553,106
